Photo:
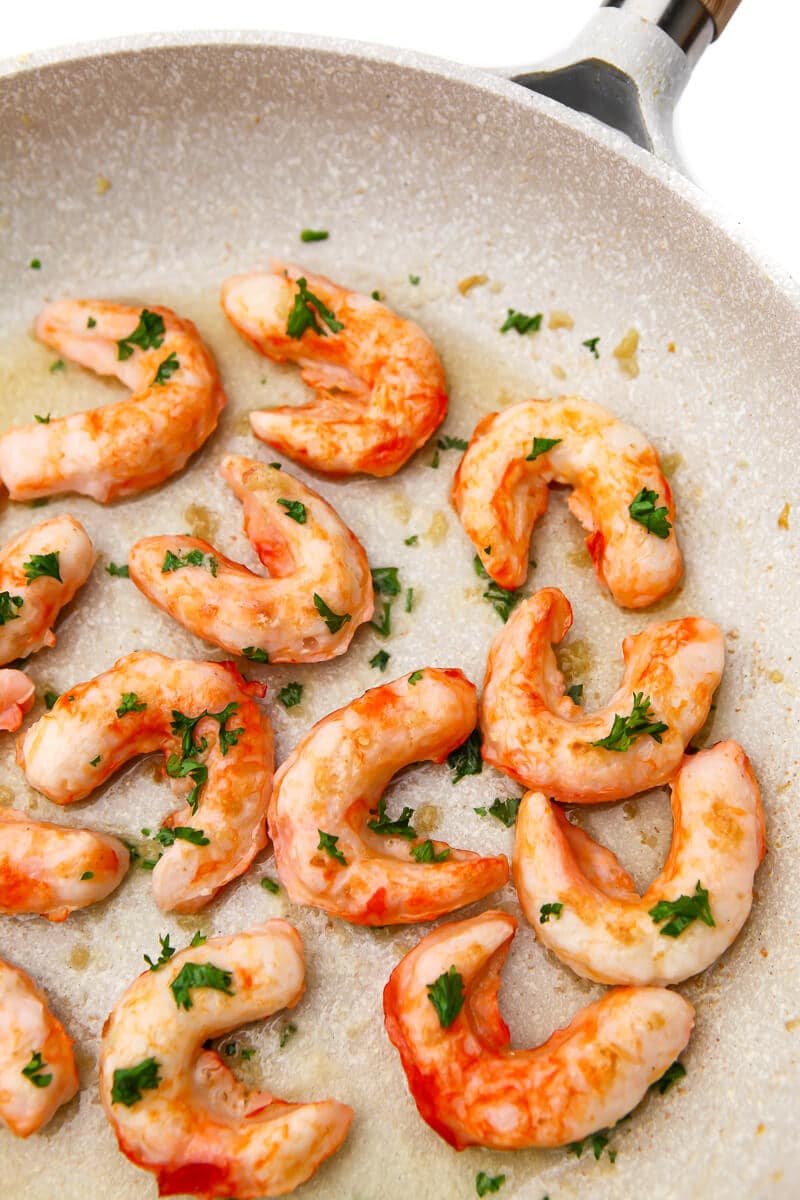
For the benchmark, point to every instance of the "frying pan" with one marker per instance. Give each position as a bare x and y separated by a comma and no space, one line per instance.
218,149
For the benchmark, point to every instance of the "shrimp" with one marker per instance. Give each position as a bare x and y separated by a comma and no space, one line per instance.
217,745
41,569
176,1109
380,387
52,869
318,565
37,1065
500,491
535,733
441,1014
335,848
17,695
122,448
605,930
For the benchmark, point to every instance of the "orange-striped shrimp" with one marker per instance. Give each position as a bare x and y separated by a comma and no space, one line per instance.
17,695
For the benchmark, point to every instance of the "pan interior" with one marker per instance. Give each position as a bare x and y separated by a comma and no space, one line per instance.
151,177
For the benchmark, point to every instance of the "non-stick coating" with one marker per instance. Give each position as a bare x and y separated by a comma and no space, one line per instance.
217,155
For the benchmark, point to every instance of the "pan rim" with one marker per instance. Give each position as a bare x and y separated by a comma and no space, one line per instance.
488,80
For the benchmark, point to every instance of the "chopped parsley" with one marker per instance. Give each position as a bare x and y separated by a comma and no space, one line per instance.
333,620
625,730
42,564
198,939
541,446
409,600
185,726
502,600
42,420
466,758
287,1032
255,654
550,910
314,235
376,295
94,761
504,809
425,852
34,1071
413,280
680,913
671,1076
521,322
192,768
56,368
435,460
183,833
117,570
575,693
129,702
40,502
414,678
166,370
598,1143
50,699
303,316
488,1183
327,842
7,605
87,874
383,625
386,581
591,346
199,975
400,827
165,953
149,333
90,324
291,695
295,510
269,885
447,996
643,509
130,1082
411,541
452,443
35,264
192,558
379,660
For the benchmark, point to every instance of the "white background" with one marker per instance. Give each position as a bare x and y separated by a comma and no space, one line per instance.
737,123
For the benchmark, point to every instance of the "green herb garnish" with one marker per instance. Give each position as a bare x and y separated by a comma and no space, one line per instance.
165,953
50,699
7,605
625,730
379,660
120,571
541,446
295,510
550,910
42,564
466,758
94,761
269,885
303,316
333,620
183,833
643,509
447,996
129,702
521,322
34,1071
488,1183
149,333
425,852
400,827
327,842
682,912
42,420
575,693
414,678
287,1032
452,443
130,1082
291,695
166,370
411,541
671,1076
314,235
199,975
409,600
255,654
87,874
591,346
192,558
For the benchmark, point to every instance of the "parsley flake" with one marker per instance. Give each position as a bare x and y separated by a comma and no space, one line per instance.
400,827
94,761
575,693
505,809
488,1183
452,443
303,316
55,369
119,571
129,702
597,1141
199,975
409,600
333,620
269,885
291,695
379,660
376,295
287,1032
503,600
192,558
87,874
625,730
295,510
198,939
7,605
591,346
255,654
386,581
466,758
521,322
42,564
34,1071
191,768
413,280
149,333
643,509
435,460
411,541
183,833
90,324
327,842
414,678
50,699
541,446
35,264
425,852
42,420
165,953
383,625
446,995
550,910
130,1082
314,235
682,912
671,1076
166,370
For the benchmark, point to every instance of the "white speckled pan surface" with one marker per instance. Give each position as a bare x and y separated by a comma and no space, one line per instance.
217,155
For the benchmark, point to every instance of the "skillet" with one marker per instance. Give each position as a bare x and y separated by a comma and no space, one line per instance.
219,149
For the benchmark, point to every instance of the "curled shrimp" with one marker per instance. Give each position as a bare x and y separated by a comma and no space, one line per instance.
17,695
121,448
37,1065
41,569
318,566
604,929
335,848
380,387
52,870
176,1109
500,491
535,733
217,745
473,1090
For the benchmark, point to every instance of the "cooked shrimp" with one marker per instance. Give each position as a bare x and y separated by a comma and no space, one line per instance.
177,1110
535,733
315,560
41,569
53,869
37,1066
121,448
473,1090
605,930
217,745
335,847
500,491
380,388
17,694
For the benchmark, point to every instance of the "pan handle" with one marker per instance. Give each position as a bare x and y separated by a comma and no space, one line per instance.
630,64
